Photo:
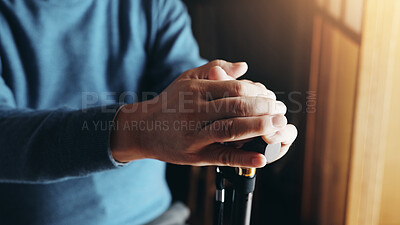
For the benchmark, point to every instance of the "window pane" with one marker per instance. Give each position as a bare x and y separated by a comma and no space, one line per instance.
334,7
353,14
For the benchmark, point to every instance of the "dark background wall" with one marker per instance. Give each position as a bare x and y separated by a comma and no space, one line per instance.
274,38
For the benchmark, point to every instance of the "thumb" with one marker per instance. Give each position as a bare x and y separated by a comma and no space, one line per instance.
234,70
217,73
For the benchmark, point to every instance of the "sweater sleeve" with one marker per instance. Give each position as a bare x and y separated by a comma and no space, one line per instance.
38,146
174,49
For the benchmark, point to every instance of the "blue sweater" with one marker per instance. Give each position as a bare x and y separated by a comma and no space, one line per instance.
65,67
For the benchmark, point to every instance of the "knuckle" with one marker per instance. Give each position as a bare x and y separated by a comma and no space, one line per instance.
222,131
222,158
191,71
225,157
258,84
257,104
191,85
271,106
217,62
263,124
239,88
192,158
185,118
270,94
227,130
265,105
239,108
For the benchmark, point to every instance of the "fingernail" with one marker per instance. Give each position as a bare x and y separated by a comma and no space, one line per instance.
239,63
218,68
279,121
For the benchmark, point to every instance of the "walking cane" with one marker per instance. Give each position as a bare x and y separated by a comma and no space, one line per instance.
243,181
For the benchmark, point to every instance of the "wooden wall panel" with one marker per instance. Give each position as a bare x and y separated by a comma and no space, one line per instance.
379,64
340,74
324,192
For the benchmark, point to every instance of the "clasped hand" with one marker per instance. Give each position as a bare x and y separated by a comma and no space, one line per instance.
201,109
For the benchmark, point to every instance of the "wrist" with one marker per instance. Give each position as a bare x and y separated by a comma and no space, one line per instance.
124,143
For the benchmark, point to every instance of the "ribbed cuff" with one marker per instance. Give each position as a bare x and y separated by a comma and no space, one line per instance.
86,139
114,161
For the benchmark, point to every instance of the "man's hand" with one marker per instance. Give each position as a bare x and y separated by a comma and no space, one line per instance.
201,109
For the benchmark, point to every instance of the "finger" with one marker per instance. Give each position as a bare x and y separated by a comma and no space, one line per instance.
286,136
221,155
242,107
217,73
238,144
212,89
240,128
253,82
235,70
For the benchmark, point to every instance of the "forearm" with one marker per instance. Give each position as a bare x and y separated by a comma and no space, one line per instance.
49,145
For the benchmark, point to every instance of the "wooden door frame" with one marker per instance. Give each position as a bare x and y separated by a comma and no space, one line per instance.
380,50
